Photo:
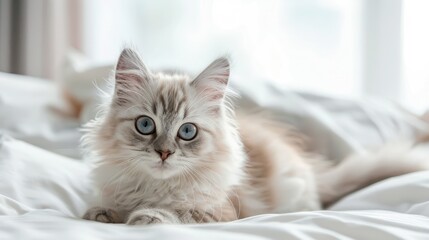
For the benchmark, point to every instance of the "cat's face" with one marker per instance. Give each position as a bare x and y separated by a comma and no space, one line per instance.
167,125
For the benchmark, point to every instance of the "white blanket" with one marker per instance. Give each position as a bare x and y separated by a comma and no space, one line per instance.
42,194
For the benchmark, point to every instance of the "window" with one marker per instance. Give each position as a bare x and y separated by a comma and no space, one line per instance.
343,48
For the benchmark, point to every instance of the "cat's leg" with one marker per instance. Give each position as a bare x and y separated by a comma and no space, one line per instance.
104,215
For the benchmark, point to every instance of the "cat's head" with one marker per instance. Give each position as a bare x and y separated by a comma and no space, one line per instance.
168,125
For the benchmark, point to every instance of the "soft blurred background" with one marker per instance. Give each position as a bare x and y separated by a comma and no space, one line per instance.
345,48
350,74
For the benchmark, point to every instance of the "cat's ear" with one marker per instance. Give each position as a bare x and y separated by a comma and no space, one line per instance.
130,75
213,80
130,68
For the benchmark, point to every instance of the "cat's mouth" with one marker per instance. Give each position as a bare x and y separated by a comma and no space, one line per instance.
162,170
161,165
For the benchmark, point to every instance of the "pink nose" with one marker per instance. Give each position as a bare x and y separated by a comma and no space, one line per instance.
164,154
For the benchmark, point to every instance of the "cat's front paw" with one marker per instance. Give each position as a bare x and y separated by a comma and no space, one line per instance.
143,220
147,217
104,215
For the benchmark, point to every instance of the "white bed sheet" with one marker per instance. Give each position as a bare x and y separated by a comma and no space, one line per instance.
42,194
46,201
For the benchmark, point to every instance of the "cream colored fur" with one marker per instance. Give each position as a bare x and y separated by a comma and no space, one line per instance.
235,167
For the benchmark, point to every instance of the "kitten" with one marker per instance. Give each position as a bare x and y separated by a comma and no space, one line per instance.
169,149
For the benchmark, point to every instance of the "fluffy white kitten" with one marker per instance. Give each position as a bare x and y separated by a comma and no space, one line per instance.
169,150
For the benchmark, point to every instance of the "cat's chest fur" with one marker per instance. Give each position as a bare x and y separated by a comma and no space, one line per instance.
131,193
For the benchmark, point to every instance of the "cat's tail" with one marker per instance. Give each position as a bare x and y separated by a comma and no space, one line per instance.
358,171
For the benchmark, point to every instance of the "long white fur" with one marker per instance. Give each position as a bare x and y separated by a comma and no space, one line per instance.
131,185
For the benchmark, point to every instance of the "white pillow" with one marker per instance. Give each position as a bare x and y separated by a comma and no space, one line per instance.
28,112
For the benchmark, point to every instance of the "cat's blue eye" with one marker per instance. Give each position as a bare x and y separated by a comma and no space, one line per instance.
145,125
187,131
